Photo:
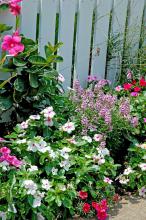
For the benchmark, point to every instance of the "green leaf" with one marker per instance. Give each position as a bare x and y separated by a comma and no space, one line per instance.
4,27
37,60
19,85
67,203
5,103
19,62
33,80
59,59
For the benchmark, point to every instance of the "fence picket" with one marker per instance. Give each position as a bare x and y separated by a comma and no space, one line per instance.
99,53
66,34
118,32
29,18
48,12
85,13
134,25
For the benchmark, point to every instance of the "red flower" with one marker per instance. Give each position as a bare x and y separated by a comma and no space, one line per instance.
102,215
142,82
83,195
95,205
104,204
134,82
137,89
86,208
127,86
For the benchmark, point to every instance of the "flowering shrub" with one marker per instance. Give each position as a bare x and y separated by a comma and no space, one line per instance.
134,176
103,115
33,83
135,89
58,174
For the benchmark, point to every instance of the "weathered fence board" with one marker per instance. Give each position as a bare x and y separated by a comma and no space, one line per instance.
110,17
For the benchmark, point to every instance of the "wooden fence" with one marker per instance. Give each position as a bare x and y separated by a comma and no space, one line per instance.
84,26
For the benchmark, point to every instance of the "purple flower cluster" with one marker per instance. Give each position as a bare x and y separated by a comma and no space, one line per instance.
125,108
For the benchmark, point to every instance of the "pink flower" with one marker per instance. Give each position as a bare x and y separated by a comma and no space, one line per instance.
15,1
98,137
15,9
129,74
118,88
107,180
92,78
14,161
83,195
102,215
12,44
86,208
48,121
135,94
144,120
5,150
127,86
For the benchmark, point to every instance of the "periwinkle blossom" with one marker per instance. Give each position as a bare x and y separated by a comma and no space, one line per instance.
142,166
37,199
30,186
142,192
107,180
69,127
46,184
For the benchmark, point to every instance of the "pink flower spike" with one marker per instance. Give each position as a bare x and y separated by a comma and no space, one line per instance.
5,150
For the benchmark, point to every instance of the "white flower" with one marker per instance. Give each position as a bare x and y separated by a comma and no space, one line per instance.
95,167
142,192
65,164
23,141
33,169
87,138
48,112
63,188
64,152
103,151
24,125
143,166
52,154
98,137
128,171
30,186
54,171
68,127
101,161
37,199
107,180
3,215
4,165
38,144
123,180
34,117
46,184
61,78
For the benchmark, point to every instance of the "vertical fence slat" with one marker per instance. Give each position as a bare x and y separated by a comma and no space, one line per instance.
83,39
66,34
118,33
101,30
29,18
134,24
47,23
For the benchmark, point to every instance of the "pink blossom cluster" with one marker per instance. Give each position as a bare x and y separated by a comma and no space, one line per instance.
14,6
12,44
101,209
94,102
11,160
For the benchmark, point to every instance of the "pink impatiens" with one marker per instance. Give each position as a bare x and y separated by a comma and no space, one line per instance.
11,160
12,44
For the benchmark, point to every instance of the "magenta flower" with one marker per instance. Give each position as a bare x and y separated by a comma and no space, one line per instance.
12,44
15,9
5,150
1,139
135,94
144,120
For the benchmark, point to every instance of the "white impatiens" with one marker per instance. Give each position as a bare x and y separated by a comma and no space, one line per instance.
48,114
37,144
33,169
128,171
30,186
46,184
68,127
142,192
142,166
87,138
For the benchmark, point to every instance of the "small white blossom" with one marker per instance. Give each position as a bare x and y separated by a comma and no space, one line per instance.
128,171
30,186
33,169
143,166
48,122
123,180
3,215
48,112
87,138
46,184
23,141
103,151
65,164
24,125
54,171
142,192
68,127
101,161
34,117
37,199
